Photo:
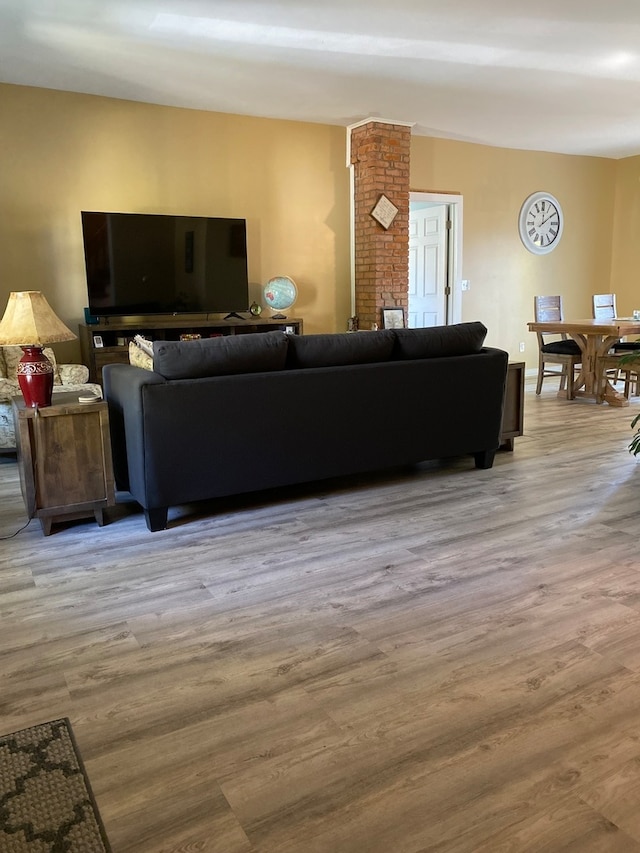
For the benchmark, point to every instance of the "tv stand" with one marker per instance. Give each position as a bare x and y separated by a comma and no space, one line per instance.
107,342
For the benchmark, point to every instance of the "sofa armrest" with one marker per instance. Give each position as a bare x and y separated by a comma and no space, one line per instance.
73,374
124,387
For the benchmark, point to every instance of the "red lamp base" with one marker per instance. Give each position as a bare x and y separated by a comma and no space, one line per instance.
35,377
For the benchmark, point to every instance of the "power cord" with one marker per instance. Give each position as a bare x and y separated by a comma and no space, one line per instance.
19,530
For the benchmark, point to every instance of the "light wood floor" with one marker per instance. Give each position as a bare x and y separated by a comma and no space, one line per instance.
443,660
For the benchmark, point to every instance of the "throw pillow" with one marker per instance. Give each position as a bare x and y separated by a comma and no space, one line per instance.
139,358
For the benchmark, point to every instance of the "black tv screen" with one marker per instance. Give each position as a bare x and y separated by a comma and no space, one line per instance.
142,263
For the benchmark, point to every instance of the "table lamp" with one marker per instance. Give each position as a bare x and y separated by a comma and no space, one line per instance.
29,322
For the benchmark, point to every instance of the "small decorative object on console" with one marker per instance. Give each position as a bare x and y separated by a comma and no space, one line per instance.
393,318
255,310
280,293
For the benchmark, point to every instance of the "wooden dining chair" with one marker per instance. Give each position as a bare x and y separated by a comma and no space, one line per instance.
604,306
605,309
555,349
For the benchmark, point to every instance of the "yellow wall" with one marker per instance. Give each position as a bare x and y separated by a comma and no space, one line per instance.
64,152
504,277
625,269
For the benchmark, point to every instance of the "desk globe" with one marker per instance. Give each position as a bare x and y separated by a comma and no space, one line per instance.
280,293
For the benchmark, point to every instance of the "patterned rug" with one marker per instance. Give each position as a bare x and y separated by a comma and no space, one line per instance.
46,803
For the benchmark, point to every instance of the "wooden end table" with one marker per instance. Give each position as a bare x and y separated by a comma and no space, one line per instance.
64,458
513,412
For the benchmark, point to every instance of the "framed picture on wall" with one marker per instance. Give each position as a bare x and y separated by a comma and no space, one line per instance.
393,318
384,211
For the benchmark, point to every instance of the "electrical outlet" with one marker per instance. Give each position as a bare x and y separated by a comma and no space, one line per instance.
466,285
521,346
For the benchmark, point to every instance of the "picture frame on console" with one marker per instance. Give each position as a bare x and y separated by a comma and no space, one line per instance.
393,318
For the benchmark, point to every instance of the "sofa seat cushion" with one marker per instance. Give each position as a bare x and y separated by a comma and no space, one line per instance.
343,348
221,356
438,341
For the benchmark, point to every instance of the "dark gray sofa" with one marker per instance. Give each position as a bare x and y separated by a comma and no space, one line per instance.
243,413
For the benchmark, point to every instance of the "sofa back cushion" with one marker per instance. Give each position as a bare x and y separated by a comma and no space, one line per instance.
343,348
438,341
221,356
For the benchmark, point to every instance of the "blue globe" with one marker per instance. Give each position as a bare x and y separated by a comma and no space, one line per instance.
280,292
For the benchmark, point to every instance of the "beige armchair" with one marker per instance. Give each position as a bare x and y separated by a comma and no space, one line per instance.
66,377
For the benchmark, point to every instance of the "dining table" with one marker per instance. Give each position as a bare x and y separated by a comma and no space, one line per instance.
595,339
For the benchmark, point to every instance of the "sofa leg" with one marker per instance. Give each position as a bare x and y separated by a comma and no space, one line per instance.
484,459
156,518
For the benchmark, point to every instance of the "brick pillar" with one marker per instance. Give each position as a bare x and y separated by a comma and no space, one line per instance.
380,157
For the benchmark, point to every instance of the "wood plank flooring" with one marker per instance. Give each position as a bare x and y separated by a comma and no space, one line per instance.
442,659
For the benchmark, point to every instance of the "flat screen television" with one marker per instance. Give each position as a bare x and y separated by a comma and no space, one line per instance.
143,263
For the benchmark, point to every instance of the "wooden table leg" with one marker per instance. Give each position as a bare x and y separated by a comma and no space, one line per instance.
596,385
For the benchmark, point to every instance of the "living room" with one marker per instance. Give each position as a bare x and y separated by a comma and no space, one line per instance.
439,658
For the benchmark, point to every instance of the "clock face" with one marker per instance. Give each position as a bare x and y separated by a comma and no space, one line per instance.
541,223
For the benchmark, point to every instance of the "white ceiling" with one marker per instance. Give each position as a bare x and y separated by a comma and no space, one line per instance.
549,76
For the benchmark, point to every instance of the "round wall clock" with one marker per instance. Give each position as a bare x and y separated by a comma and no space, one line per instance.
541,223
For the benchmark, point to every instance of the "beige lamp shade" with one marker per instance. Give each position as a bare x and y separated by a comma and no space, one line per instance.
29,320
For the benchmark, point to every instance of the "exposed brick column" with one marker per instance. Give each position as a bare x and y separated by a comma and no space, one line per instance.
380,157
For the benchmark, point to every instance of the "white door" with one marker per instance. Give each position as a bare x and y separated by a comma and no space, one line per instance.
428,258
